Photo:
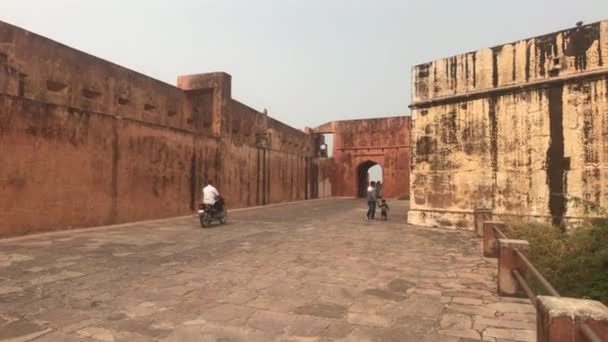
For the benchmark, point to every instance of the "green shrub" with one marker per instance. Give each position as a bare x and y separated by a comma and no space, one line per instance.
404,197
575,262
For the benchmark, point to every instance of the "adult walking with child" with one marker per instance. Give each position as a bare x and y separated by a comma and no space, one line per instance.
371,201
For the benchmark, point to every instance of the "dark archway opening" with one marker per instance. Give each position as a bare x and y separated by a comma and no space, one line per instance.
366,172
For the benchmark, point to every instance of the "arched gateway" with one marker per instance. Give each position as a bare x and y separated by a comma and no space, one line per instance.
364,176
358,145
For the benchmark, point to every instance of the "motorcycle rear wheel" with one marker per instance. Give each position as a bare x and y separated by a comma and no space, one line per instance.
224,217
205,220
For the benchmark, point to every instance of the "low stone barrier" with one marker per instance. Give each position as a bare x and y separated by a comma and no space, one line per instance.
558,319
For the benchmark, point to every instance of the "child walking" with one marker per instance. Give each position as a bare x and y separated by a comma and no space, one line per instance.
384,210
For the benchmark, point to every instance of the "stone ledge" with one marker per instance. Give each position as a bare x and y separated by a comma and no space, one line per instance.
573,308
513,243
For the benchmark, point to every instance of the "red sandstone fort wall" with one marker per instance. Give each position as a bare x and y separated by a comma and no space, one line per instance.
325,169
40,69
85,142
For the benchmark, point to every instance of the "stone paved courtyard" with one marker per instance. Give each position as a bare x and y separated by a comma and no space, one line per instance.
308,271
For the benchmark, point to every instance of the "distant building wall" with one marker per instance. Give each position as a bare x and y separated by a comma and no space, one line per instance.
85,142
517,128
383,141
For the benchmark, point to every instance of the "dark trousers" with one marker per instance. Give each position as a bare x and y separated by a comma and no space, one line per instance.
219,206
371,211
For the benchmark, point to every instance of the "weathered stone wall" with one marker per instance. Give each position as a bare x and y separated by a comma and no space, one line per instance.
517,128
324,176
383,141
85,142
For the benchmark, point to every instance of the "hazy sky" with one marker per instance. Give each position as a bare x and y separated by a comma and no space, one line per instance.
307,61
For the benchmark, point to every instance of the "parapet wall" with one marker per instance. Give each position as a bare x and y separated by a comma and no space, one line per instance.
518,128
85,142
564,53
43,70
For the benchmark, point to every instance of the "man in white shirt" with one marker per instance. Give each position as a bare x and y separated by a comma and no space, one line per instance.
210,194
371,201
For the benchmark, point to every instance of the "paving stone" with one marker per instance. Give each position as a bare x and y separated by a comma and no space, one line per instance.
278,304
9,259
143,309
99,334
397,334
513,334
307,326
400,285
417,305
514,300
465,333
469,292
215,332
385,294
79,325
455,321
364,334
513,308
273,274
130,337
240,297
466,301
189,333
9,289
56,336
23,330
452,286
445,300
371,319
528,317
416,325
322,310
50,278
479,310
484,322
442,338
367,303
62,318
337,330
425,291
143,326
228,313
270,322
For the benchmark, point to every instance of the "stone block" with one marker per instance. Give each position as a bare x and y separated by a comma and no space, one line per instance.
481,215
507,262
560,319
509,334
455,321
461,333
368,319
467,301
490,239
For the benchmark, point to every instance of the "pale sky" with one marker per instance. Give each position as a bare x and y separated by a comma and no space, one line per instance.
307,61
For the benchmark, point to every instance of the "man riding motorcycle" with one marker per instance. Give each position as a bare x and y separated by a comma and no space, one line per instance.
212,208
211,195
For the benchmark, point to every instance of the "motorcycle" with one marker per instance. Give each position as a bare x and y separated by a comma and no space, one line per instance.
207,214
